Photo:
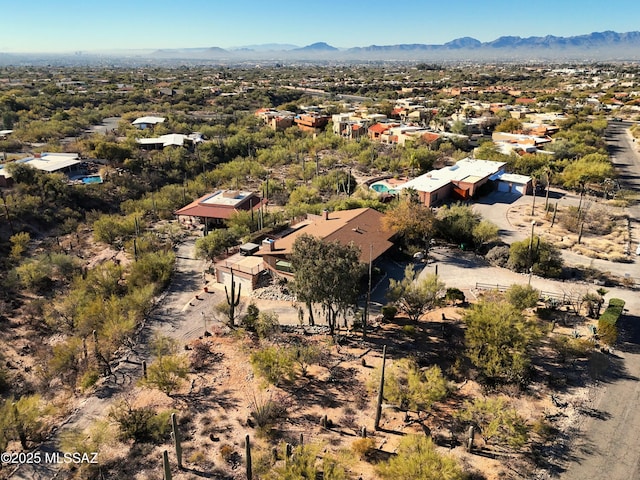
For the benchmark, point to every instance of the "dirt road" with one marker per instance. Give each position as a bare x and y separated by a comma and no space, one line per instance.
179,314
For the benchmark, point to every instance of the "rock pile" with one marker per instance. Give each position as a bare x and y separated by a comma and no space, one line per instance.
274,292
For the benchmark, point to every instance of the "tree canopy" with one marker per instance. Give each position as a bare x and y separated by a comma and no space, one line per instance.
499,339
413,295
327,273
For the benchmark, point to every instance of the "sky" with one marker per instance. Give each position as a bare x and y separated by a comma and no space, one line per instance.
42,26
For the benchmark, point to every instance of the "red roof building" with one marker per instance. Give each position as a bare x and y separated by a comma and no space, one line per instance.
219,206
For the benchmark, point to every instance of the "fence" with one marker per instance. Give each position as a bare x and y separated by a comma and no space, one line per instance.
563,298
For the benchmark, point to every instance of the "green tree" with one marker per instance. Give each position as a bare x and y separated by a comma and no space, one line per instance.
456,223
522,296
22,420
499,340
498,422
417,459
594,167
19,243
541,256
415,296
168,371
412,388
413,222
327,273
509,125
215,243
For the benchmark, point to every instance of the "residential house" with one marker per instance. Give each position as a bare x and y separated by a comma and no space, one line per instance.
143,123
216,208
462,181
171,140
311,122
66,163
278,120
361,227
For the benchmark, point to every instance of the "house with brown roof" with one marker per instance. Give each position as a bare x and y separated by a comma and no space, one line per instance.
361,227
218,207
311,122
377,130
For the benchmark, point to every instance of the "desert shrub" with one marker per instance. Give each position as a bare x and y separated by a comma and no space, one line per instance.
541,256
411,387
389,312
498,422
498,256
167,373
152,267
142,425
545,430
568,347
418,459
267,412
267,325
227,452
89,379
201,355
363,447
454,295
409,330
23,420
250,317
274,364
522,296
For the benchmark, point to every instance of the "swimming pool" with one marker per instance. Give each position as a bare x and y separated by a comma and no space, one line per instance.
92,179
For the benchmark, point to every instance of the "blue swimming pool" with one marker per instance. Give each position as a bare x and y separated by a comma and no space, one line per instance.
92,179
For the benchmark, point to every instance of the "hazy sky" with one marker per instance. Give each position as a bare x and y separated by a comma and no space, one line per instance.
88,25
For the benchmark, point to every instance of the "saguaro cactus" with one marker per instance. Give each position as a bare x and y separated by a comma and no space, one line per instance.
472,432
376,425
233,300
165,465
176,439
247,447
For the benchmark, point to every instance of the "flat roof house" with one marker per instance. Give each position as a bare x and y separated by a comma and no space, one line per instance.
462,180
217,207
147,122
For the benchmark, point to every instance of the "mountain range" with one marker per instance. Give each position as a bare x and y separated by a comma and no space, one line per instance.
597,46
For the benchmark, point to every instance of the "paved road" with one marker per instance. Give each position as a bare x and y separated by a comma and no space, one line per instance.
608,443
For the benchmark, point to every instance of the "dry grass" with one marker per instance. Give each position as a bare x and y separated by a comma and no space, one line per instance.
604,236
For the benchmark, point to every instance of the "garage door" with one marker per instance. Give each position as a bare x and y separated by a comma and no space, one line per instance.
503,186
225,278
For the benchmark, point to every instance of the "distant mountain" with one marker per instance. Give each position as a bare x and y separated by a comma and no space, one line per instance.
464,42
597,46
317,47
267,47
